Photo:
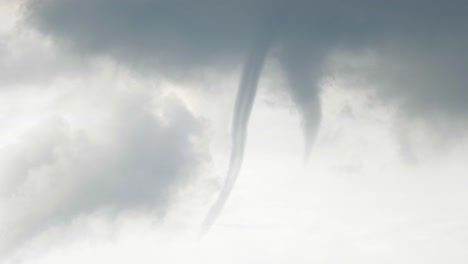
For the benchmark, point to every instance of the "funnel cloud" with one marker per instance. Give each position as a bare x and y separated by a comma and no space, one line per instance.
243,107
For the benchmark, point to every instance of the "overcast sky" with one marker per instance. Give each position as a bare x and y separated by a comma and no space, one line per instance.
291,131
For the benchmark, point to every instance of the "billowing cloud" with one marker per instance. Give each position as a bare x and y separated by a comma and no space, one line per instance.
139,157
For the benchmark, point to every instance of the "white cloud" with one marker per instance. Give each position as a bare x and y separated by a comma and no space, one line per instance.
125,153
387,211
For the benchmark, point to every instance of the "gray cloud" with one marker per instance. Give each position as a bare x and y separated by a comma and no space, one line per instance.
426,81
423,44
160,34
58,173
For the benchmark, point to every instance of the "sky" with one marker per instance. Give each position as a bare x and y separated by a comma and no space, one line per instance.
211,131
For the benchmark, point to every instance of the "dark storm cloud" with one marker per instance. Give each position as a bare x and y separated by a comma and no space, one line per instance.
161,34
422,45
57,174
